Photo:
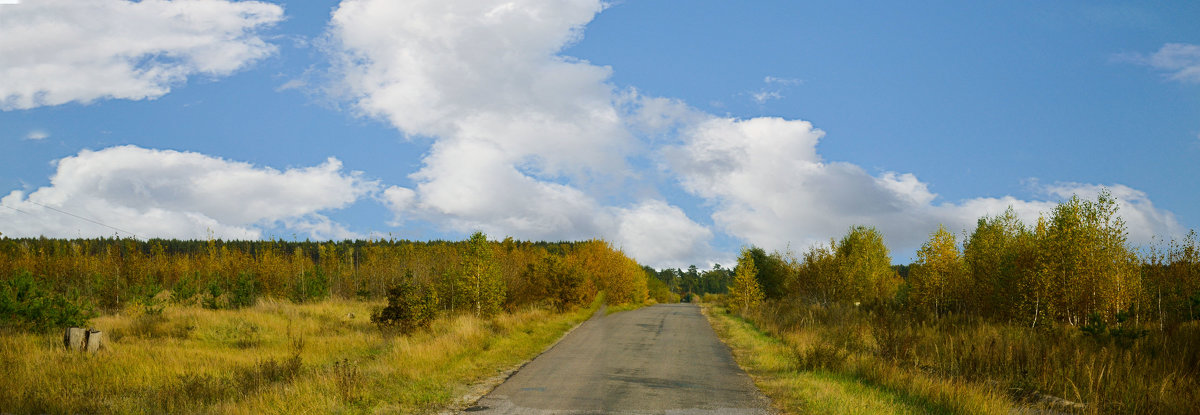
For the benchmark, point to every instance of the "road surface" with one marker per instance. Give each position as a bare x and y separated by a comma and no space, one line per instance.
663,359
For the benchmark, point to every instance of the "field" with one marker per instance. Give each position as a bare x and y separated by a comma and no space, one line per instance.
796,383
846,359
272,357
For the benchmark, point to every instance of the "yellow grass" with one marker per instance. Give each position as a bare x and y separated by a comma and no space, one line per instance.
859,385
194,360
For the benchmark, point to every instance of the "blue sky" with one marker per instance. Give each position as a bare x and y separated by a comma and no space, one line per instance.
679,132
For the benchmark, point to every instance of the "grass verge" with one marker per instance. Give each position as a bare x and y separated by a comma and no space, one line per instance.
274,357
609,309
791,372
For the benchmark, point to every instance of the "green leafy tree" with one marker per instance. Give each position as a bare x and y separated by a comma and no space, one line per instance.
479,283
772,272
716,280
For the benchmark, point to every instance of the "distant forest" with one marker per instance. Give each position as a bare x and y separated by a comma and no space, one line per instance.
53,282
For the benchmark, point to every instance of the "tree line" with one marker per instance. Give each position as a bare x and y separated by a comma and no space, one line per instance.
1075,265
40,277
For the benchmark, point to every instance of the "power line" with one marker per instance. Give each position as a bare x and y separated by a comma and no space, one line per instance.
18,210
72,215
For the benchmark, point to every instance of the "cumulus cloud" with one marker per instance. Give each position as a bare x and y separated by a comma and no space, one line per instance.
485,72
770,187
57,52
521,135
663,235
172,194
1180,61
520,131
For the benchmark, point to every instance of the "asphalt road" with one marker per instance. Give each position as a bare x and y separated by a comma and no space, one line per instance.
663,359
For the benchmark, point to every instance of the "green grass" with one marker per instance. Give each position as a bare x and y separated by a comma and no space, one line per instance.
609,309
848,383
273,357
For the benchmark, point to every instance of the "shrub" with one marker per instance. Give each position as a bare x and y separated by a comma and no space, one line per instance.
185,289
245,291
266,372
820,356
311,286
348,379
410,307
891,332
25,305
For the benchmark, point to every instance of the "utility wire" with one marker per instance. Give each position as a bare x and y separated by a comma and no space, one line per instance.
18,210
72,215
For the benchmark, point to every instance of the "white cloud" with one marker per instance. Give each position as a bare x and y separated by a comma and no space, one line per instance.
520,130
521,135
171,194
782,81
762,97
57,52
37,135
477,71
663,236
771,188
398,200
1180,61
292,84
776,86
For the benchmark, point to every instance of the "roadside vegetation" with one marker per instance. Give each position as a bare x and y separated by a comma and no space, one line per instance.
800,385
252,327
1062,316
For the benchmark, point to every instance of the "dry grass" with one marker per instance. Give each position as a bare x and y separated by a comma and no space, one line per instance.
959,364
803,372
274,357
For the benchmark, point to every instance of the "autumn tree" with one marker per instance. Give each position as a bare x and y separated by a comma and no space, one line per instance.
744,292
1171,281
559,282
817,275
996,260
937,277
1089,265
865,266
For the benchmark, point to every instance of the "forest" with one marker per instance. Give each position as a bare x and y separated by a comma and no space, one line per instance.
51,283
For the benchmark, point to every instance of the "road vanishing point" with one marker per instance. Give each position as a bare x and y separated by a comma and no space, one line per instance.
663,359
